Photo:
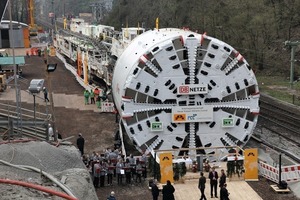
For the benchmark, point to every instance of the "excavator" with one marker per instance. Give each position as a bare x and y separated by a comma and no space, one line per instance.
33,28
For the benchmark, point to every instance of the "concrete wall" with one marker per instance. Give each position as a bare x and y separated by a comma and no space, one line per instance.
16,34
16,38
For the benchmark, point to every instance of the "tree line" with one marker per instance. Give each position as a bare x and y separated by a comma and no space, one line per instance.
257,28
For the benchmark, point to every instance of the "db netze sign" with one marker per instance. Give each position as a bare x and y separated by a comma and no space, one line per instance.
192,89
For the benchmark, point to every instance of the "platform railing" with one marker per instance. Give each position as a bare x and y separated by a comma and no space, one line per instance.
26,124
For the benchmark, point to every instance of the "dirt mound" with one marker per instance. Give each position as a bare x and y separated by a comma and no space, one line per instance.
62,163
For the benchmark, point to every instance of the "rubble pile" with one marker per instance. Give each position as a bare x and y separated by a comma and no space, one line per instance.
63,163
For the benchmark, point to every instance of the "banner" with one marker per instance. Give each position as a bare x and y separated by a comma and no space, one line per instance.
85,67
52,51
251,164
65,23
79,63
166,167
157,23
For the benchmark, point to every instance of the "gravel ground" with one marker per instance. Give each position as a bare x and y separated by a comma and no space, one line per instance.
264,190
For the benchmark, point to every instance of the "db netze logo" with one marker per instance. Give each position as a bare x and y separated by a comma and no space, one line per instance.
184,89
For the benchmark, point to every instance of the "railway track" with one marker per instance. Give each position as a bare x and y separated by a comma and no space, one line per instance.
285,118
99,45
284,108
279,125
280,114
277,132
287,153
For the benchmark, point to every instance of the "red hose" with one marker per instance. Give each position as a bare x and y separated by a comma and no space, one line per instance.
37,187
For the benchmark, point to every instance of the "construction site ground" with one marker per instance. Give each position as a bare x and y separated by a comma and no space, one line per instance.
98,129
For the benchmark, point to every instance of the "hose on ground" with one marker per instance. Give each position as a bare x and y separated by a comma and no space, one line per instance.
37,187
17,141
52,178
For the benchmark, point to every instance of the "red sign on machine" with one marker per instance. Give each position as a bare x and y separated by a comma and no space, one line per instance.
192,89
184,89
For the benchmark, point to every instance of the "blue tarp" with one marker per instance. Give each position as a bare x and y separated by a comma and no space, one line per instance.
19,60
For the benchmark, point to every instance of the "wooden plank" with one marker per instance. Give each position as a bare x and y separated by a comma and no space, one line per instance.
278,190
237,189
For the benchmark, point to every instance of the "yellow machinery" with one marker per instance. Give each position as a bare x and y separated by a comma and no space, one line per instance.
33,28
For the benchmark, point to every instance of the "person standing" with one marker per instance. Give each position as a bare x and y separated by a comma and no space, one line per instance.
168,191
92,96
222,182
110,171
58,135
50,132
224,192
98,102
139,171
207,166
119,167
213,176
86,95
102,173
127,169
80,143
133,163
143,162
154,190
96,92
45,91
201,186
97,171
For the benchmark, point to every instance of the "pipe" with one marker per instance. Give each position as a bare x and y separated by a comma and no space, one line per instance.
52,178
57,144
17,141
37,187
15,166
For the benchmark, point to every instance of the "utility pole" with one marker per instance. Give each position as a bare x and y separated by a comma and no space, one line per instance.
64,8
52,19
293,45
16,75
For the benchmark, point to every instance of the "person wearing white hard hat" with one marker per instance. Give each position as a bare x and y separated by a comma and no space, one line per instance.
50,132
45,91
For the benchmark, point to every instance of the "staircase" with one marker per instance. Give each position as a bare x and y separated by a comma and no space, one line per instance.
24,123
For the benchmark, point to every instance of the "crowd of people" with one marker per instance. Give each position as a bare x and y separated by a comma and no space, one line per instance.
94,97
111,164
213,177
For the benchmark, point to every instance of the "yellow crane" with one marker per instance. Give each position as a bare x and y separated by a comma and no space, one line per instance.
33,28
